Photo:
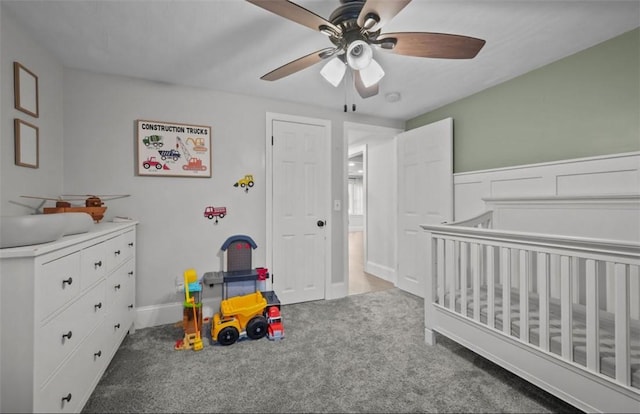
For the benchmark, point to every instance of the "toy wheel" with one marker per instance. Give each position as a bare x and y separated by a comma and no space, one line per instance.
146,165
257,327
158,166
250,183
210,216
221,215
242,185
228,336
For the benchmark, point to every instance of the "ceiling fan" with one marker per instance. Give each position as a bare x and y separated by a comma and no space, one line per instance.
354,28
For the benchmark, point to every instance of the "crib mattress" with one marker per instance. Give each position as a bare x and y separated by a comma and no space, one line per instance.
606,340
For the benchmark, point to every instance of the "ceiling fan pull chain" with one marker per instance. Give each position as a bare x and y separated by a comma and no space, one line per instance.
345,91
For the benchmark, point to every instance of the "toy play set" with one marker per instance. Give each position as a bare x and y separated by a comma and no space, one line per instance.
245,310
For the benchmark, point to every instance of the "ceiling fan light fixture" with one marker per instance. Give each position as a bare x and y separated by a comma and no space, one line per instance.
333,71
371,74
359,55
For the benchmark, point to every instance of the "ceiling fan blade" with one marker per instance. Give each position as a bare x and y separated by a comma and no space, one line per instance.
384,9
296,13
298,64
363,91
433,45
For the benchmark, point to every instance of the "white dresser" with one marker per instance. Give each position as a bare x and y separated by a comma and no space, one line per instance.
65,308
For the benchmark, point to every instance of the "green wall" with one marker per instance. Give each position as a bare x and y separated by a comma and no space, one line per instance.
584,105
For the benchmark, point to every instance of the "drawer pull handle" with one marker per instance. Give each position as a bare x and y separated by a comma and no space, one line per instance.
131,273
67,335
131,306
98,354
117,326
98,306
117,286
130,244
67,398
67,281
97,264
117,252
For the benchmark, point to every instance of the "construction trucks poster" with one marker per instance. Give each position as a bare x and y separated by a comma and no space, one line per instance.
173,149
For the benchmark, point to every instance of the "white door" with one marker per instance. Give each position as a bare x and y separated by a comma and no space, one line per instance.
425,196
301,203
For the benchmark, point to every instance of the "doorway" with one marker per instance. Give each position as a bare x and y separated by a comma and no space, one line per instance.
370,232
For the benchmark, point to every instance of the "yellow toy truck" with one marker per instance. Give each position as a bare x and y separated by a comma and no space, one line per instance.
239,316
246,181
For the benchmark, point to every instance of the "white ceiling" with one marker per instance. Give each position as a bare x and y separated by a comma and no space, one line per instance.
227,45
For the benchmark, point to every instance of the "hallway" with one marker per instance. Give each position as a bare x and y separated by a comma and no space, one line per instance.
359,281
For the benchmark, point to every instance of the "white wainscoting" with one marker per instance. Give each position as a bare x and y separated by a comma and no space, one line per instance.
592,176
615,217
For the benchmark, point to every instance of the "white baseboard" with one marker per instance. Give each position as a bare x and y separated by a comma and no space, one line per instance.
155,315
336,290
383,272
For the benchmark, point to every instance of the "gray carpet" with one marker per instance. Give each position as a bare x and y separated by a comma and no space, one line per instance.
363,353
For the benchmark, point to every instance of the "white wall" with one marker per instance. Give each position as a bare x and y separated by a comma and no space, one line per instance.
99,116
17,45
87,133
382,209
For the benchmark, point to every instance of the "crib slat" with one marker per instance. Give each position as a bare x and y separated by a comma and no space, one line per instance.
575,280
634,288
463,278
543,291
505,276
440,274
475,269
524,295
565,308
611,300
623,373
593,331
450,272
491,281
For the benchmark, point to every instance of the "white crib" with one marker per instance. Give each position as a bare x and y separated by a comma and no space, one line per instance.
573,297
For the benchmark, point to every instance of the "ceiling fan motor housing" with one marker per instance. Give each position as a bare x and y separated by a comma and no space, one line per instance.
345,17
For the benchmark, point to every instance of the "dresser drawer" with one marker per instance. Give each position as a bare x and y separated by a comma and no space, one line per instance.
120,285
93,264
120,249
71,386
61,335
117,324
58,281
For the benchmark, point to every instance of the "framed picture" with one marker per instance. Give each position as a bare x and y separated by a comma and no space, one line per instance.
25,84
173,149
27,144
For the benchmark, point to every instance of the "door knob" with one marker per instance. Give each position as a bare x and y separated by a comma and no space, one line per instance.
321,223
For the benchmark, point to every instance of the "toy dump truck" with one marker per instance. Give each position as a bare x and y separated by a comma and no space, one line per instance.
239,316
153,140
